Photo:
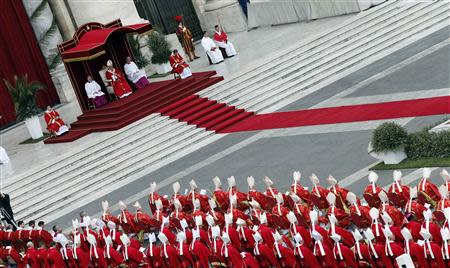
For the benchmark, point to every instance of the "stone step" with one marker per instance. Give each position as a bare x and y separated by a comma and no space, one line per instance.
299,64
295,50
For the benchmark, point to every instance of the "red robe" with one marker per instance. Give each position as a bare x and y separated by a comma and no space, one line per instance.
427,192
31,258
232,256
135,258
185,255
222,37
143,222
348,258
365,260
115,258
177,63
308,259
53,121
171,260
371,196
397,198
154,257
318,197
222,199
417,255
42,257
54,258
120,84
82,258
201,254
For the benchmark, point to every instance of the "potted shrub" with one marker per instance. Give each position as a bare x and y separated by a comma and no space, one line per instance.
23,94
139,58
388,143
161,52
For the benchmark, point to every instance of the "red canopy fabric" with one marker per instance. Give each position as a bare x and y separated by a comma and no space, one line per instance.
90,42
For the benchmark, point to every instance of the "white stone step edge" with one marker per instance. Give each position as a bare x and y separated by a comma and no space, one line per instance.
314,48
334,61
104,174
305,64
265,61
298,94
82,146
64,166
107,162
120,179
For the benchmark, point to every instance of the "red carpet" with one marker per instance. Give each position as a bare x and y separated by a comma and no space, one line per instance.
344,114
155,97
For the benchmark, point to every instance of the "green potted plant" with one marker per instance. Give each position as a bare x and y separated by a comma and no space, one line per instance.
161,52
388,143
23,93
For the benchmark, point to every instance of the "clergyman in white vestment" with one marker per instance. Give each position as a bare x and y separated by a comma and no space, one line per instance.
211,49
94,92
221,38
138,77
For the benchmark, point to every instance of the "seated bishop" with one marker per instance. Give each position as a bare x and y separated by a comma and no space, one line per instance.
94,92
135,75
222,40
179,66
55,124
211,49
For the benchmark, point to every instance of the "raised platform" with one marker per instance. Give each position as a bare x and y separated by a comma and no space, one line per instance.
140,104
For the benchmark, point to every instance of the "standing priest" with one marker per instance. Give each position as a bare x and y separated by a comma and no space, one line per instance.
211,49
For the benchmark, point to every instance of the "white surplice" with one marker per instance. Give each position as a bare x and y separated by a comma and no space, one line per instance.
6,169
215,55
133,73
93,89
229,47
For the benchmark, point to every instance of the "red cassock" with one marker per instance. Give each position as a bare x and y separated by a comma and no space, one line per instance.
266,234
170,236
177,63
265,256
301,211
154,257
106,217
118,82
31,258
318,197
82,258
340,214
126,220
304,233
346,237
438,260
281,211
185,256
348,258
114,258
216,258
306,257
414,227
266,202
241,198
287,258
54,258
439,211
218,217
98,260
170,256
222,37
42,257
427,192
328,259
201,254
398,194
417,255
222,199
69,258
301,192
397,216
361,219
365,259
234,237
246,237
416,209
435,232
53,121
143,222
341,196
11,254
249,260
232,256
135,258
155,196
371,195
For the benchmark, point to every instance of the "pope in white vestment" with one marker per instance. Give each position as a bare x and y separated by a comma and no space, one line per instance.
138,77
221,38
211,49
95,93
5,165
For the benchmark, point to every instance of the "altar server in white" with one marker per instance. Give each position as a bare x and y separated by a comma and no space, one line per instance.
138,77
211,49
94,92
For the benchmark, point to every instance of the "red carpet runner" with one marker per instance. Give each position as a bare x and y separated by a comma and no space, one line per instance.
152,99
344,114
